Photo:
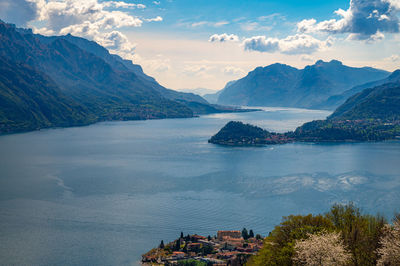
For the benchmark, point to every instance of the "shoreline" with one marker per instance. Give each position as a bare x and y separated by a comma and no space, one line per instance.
124,120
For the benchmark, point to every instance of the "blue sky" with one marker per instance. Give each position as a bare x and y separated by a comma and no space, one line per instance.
204,43
178,15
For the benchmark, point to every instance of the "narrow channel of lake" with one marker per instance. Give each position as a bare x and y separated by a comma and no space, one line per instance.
106,193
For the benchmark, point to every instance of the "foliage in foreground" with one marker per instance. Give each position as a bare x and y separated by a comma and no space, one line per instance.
360,237
390,244
321,249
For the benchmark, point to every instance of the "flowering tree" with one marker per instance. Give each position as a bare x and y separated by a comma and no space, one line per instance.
321,249
390,245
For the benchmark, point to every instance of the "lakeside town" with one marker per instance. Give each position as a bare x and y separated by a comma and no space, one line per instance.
226,248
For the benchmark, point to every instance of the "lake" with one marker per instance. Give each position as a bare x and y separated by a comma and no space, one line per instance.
106,193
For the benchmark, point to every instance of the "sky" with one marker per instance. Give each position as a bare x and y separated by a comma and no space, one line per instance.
187,44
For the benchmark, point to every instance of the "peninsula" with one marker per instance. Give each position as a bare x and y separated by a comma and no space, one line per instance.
371,115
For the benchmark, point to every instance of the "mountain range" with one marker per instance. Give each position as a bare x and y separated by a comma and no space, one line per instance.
312,87
67,81
370,115
336,100
381,102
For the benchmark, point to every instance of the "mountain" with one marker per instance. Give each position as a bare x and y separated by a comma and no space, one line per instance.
213,97
199,91
382,102
30,100
370,115
79,82
120,64
336,100
283,85
107,93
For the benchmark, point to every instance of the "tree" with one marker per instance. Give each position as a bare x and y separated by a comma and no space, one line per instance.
209,238
178,244
258,236
251,233
361,233
162,244
245,234
321,249
181,234
278,247
390,244
207,249
191,262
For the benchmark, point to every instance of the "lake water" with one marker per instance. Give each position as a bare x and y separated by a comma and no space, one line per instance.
106,193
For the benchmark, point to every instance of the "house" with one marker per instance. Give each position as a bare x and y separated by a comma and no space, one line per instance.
178,255
227,255
196,238
231,234
206,242
194,246
237,242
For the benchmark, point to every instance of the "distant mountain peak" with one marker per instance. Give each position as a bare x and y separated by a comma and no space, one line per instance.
395,75
332,62
336,62
278,65
283,85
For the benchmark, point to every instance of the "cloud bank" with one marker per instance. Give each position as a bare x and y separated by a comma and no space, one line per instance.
98,21
296,44
223,38
364,20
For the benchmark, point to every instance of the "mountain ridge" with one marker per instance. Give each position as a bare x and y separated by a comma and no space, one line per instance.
370,115
283,85
84,80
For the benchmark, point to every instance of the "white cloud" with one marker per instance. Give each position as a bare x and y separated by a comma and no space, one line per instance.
202,71
18,11
224,37
116,41
394,3
221,23
98,21
207,23
261,44
119,4
296,44
307,58
156,19
75,13
253,26
272,17
200,23
233,71
378,36
156,65
393,58
364,20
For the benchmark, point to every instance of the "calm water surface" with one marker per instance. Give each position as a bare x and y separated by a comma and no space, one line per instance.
106,193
